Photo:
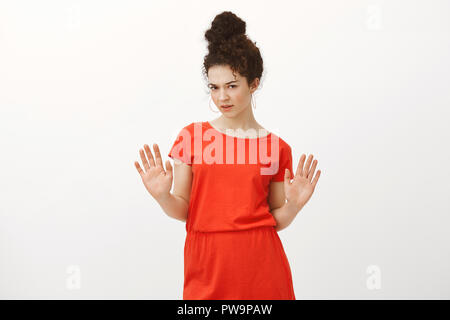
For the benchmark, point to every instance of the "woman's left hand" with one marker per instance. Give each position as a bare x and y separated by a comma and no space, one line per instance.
299,191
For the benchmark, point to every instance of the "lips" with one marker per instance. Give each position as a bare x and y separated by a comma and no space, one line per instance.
226,105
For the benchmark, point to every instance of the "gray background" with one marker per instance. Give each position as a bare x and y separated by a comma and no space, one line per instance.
361,85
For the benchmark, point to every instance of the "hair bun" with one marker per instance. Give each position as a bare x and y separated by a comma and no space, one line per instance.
225,26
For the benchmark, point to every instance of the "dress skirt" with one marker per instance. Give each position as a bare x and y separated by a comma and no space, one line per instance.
236,265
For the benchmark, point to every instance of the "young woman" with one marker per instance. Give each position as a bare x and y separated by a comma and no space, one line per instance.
234,200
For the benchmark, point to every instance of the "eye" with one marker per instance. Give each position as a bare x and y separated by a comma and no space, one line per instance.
231,85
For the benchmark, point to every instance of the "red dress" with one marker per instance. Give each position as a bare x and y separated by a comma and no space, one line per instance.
232,250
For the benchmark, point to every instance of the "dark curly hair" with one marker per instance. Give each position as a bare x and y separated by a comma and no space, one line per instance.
229,45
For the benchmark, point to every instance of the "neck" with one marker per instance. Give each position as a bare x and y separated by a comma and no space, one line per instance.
245,120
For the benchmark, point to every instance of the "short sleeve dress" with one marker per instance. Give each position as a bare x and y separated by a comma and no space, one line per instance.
232,250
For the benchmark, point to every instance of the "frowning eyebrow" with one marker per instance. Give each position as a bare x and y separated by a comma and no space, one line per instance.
225,83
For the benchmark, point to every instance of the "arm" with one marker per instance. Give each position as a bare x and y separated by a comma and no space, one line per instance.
298,192
176,204
158,182
283,211
284,215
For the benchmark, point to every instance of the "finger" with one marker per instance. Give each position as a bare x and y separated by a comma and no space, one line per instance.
300,165
144,160
138,167
316,178
157,155
149,155
311,172
307,166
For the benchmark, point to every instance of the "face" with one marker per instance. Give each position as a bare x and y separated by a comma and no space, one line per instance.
227,89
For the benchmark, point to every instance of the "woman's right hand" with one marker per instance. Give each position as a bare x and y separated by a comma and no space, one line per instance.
157,181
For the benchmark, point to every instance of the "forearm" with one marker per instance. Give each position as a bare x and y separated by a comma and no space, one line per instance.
285,215
174,206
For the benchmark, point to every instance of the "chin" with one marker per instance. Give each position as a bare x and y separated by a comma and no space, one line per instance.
231,114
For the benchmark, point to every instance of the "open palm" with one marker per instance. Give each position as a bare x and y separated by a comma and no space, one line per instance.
299,191
157,181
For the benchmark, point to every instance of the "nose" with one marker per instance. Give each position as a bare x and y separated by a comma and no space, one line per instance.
223,96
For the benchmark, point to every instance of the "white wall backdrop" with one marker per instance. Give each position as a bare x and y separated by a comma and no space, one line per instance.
361,85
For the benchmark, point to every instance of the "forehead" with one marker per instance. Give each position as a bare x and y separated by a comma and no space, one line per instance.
222,75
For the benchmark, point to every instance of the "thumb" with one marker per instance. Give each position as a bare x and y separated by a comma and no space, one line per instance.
287,175
169,170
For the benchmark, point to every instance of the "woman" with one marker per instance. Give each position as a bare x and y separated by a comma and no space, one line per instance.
234,200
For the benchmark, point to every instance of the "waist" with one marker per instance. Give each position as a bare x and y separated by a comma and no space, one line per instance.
230,230
228,220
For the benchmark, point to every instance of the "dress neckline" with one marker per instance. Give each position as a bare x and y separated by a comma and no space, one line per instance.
211,126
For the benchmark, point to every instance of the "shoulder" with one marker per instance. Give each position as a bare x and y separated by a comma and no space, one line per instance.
196,124
187,128
283,144
191,130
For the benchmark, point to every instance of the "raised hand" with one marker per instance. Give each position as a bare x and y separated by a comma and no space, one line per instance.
299,191
157,181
